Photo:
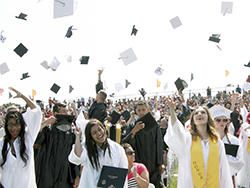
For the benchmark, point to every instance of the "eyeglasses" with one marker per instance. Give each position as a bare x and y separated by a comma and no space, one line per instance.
219,120
14,125
130,152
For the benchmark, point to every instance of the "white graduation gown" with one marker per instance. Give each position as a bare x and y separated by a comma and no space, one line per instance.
90,176
243,177
180,141
14,174
235,163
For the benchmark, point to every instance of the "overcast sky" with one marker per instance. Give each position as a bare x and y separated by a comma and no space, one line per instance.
103,32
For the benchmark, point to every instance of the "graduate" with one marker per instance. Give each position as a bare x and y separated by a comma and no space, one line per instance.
243,177
95,151
56,139
17,160
201,154
221,118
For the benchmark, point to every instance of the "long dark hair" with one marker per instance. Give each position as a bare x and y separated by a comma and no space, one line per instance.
211,130
7,138
91,145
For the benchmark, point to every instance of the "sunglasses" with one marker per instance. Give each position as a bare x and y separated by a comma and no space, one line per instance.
130,152
14,125
219,120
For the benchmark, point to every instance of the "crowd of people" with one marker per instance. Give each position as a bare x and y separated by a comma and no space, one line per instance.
67,144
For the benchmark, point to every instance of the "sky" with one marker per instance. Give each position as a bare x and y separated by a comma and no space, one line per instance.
103,31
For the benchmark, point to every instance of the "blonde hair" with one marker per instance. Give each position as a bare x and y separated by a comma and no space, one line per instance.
211,130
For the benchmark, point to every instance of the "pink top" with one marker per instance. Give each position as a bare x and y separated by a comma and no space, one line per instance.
139,167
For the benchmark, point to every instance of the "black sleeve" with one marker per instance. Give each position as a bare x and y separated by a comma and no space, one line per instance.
99,86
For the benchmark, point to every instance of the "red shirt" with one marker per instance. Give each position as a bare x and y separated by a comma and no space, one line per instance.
139,167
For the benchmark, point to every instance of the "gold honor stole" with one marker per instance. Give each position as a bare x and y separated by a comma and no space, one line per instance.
248,145
197,164
118,132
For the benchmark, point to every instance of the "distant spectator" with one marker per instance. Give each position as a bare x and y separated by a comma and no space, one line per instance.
208,92
238,89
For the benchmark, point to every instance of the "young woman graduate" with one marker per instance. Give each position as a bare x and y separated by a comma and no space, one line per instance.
97,150
243,177
221,116
17,160
201,154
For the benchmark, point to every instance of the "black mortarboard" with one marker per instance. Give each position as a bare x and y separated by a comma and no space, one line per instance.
149,122
215,38
127,83
21,50
70,88
115,117
126,115
38,101
84,60
248,65
25,75
107,176
69,118
209,105
192,76
10,95
231,149
134,31
69,32
55,88
22,16
142,92
180,84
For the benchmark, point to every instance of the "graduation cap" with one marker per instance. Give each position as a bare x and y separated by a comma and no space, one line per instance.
127,83
21,50
54,64
2,38
149,121
69,32
55,88
192,76
84,60
128,56
180,84
126,115
218,110
63,8
142,92
118,87
25,75
165,86
115,117
159,71
248,65
4,68
134,31
209,105
226,8
21,16
45,65
1,91
107,176
176,22
69,58
231,149
70,89
215,38
10,95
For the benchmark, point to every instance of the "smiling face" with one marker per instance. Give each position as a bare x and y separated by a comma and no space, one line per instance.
98,134
200,116
130,155
220,123
14,128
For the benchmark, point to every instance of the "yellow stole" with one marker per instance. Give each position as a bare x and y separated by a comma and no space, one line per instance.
197,164
118,132
248,145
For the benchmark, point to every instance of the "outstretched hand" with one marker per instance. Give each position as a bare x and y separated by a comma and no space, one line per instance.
17,92
100,71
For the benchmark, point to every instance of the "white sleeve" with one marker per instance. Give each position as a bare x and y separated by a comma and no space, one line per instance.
33,120
75,159
178,140
244,112
225,175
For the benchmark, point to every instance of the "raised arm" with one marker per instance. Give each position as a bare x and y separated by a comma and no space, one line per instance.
29,102
171,105
78,146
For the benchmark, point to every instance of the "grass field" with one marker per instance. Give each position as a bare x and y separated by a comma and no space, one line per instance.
173,183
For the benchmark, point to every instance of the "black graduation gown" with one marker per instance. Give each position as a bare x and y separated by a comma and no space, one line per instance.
52,167
98,111
148,150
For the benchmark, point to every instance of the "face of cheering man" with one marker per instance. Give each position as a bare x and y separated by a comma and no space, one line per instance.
141,110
